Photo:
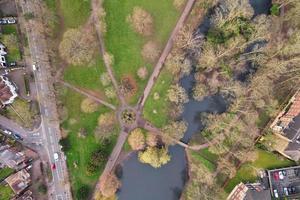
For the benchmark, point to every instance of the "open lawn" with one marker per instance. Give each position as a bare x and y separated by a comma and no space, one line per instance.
75,12
248,171
81,147
5,172
126,45
208,164
6,192
161,105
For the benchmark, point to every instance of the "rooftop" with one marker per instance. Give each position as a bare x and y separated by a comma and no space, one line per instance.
19,181
11,158
8,91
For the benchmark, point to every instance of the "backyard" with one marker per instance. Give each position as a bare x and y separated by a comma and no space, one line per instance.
11,41
5,172
6,192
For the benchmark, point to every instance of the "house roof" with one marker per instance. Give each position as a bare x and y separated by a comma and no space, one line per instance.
26,196
8,92
292,131
11,158
19,181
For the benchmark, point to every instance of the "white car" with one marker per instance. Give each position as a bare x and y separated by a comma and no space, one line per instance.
281,176
55,156
285,190
276,194
7,132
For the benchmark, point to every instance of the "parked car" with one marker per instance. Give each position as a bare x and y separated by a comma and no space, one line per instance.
8,132
53,166
284,172
285,191
276,176
276,194
281,176
293,190
17,137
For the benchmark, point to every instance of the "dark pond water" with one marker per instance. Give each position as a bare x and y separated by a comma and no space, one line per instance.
142,182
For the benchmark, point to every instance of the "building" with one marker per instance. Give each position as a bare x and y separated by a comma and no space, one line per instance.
287,127
12,159
26,196
8,91
249,191
19,181
3,53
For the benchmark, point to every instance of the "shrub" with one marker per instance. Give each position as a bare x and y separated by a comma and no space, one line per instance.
83,192
141,21
65,143
110,92
105,79
177,94
142,73
109,185
89,105
150,51
136,139
275,9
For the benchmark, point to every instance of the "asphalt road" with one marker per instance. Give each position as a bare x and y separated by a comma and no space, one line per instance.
49,131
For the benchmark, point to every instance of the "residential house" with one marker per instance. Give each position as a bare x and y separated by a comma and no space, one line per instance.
26,196
3,53
249,191
287,127
19,181
8,91
12,159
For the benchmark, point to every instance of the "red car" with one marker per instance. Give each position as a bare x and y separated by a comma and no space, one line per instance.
276,176
53,166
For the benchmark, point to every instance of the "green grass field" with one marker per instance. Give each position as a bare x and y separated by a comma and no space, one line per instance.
125,44
208,164
161,105
81,148
6,192
75,12
5,172
248,171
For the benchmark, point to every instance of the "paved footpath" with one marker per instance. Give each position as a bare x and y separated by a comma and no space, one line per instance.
165,53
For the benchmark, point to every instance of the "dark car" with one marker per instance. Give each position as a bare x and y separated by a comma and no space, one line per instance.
17,137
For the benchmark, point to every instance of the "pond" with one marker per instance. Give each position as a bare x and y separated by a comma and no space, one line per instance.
143,182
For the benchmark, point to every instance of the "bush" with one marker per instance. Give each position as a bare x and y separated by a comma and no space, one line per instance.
105,79
42,189
65,143
83,192
141,21
150,51
110,185
136,139
89,105
275,9
142,73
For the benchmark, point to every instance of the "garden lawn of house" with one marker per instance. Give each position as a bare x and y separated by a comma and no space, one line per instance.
161,105
248,171
12,46
5,172
6,192
126,45
81,147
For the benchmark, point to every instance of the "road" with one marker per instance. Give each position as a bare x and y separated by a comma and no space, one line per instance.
49,131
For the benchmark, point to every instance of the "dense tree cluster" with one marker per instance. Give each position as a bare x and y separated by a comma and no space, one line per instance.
154,156
110,185
141,21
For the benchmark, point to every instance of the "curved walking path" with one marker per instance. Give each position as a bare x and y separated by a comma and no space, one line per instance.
158,67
